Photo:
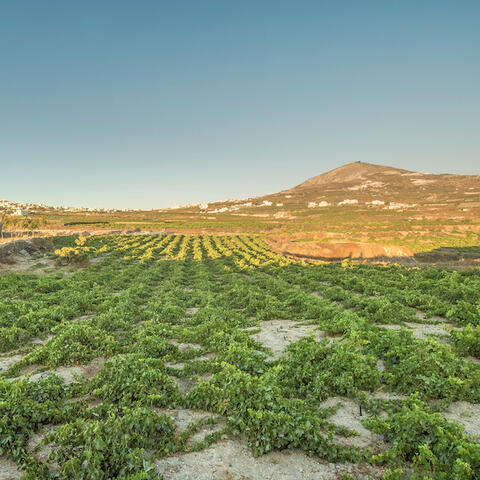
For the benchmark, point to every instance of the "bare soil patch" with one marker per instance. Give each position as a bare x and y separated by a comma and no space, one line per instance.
278,334
183,418
9,469
41,454
68,374
181,365
185,347
185,384
27,256
338,250
95,260
384,395
7,361
27,264
468,414
472,359
348,415
423,330
82,318
233,460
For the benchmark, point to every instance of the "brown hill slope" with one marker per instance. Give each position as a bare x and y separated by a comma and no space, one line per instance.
351,172
366,183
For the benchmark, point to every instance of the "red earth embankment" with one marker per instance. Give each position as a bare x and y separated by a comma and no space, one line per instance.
338,250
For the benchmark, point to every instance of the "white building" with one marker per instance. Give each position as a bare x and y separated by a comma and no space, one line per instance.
21,213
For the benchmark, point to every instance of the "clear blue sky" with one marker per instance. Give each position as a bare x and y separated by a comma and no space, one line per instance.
152,103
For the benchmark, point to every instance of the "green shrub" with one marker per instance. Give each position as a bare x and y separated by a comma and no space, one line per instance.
67,255
130,379
467,341
24,408
74,343
464,313
317,370
258,409
111,448
438,449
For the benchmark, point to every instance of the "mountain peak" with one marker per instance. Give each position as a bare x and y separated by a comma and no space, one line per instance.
351,172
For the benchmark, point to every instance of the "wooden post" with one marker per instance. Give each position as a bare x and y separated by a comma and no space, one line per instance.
1,224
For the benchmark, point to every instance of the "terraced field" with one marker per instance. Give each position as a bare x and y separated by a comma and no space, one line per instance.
211,357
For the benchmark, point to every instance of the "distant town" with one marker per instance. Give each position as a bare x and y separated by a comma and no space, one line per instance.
24,209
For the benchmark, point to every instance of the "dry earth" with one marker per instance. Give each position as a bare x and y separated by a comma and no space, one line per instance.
348,415
425,330
337,250
278,334
468,415
8,470
67,374
233,460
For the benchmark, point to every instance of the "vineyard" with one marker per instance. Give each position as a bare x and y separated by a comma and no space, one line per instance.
140,356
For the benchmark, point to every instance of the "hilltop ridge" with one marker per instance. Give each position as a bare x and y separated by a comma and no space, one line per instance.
351,172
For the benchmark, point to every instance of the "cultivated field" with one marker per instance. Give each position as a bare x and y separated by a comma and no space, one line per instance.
212,357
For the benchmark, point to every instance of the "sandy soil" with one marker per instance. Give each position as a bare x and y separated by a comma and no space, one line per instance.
278,334
423,330
185,384
7,361
41,341
68,374
185,347
44,451
181,365
82,318
348,415
472,359
233,460
24,263
10,358
184,417
468,414
8,470
383,395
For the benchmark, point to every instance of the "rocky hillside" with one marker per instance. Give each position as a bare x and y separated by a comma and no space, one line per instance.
390,188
